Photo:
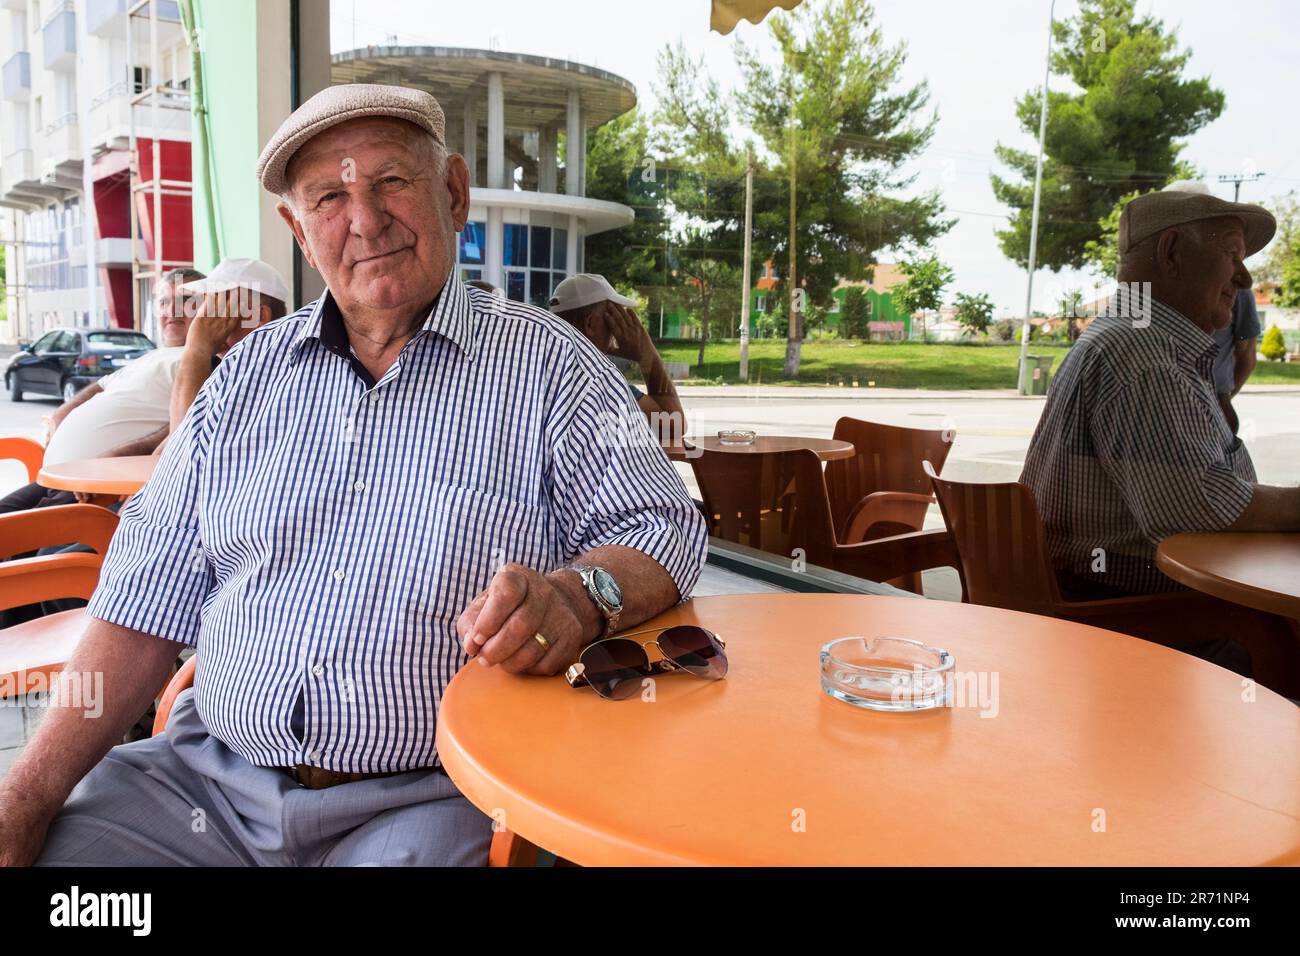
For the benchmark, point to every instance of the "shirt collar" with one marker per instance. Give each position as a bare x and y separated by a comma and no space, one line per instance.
451,317
1179,329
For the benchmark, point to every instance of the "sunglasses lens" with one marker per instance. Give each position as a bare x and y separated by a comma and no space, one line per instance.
694,649
614,668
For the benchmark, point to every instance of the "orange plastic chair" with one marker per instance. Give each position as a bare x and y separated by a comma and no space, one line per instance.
1005,562
30,453
507,849
41,647
777,502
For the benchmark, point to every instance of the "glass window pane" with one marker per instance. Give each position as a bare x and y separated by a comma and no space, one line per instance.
468,274
541,251
539,288
516,251
556,279
472,242
560,249
515,286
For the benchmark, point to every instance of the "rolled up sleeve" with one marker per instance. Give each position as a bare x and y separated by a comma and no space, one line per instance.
1167,453
156,575
613,484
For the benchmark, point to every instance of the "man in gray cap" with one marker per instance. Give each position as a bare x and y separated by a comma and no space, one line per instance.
363,496
1133,446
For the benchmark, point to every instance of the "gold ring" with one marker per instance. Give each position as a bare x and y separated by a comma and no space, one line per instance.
546,645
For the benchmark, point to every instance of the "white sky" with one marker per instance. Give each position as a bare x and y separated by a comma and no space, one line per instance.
977,56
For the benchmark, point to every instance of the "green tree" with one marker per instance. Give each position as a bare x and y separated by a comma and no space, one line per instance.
922,290
974,312
710,291
1285,247
1289,295
855,314
1273,345
842,128
1122,133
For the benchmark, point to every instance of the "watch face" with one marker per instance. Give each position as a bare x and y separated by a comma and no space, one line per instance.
607,587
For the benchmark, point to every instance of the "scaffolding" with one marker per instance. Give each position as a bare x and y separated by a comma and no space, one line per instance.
154,95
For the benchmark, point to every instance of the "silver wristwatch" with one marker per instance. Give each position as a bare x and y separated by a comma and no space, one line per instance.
604,593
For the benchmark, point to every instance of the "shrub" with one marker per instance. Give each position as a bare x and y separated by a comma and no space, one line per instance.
1273,345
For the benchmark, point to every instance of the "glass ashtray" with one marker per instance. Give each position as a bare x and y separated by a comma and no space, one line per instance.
887,673
736,436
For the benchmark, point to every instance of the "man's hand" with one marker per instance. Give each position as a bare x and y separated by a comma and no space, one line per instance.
216,321
630,339
87,498
499,624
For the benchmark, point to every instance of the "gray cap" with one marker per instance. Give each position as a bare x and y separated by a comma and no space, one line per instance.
1155,212
338,104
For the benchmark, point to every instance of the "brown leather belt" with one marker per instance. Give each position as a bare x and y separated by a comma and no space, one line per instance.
318,778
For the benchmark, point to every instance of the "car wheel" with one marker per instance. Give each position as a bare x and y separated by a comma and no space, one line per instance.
70,390
15,390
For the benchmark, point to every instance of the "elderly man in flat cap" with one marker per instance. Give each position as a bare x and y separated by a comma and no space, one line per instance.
1133,445
364,495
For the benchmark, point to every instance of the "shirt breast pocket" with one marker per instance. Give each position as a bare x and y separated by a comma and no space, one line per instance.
468,535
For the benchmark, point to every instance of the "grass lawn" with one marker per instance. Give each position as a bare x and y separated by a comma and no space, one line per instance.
891,365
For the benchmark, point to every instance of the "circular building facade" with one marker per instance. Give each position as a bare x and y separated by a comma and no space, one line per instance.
521,123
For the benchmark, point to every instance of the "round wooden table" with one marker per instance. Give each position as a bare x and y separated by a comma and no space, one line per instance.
1103,750
1258,570
100,476
828,449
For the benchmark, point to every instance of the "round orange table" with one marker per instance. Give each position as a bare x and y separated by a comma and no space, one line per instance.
1104,750
828,449
1258,570
100,476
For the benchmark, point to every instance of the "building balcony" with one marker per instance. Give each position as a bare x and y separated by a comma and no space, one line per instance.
106,18
17,77
110,117
18,168
60,40
13,4
62,144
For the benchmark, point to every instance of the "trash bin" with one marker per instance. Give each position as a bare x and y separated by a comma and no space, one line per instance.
1040,370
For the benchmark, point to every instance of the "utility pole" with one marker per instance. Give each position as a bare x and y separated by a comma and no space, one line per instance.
1238,180
744,282
1022,386
793,342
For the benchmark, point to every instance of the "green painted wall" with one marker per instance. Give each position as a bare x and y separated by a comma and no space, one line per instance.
677,322
228,36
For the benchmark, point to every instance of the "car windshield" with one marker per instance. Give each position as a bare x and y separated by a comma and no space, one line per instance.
118,341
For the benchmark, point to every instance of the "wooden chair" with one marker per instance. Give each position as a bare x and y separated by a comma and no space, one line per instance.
41,647
1005,562
883,490
777,503
30,453
507,849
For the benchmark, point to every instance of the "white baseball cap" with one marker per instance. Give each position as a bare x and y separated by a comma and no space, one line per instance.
586,288
252,274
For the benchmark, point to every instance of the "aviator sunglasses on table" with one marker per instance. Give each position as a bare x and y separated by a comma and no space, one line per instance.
615,666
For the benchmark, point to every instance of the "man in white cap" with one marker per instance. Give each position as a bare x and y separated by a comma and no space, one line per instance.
1132,446
591,305
400,476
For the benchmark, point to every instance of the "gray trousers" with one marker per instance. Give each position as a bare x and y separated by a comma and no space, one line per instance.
185,799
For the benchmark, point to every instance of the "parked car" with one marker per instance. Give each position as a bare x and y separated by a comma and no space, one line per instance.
64,361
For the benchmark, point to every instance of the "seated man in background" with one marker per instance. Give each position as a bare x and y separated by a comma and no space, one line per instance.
1237,353
1133,446
125,413
589,303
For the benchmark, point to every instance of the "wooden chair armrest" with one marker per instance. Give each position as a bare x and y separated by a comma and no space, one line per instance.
898,511
48,578
884,558
24,531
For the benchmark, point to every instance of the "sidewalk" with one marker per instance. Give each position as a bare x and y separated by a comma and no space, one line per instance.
824,393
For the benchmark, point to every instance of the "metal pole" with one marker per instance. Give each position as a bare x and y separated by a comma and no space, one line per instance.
1023,384
133,160
88,217
154,87
744,287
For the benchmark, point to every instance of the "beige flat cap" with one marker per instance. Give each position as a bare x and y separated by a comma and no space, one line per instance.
1154,212
338,104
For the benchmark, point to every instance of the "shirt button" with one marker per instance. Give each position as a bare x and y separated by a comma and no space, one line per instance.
318,670
374,396
358,486
314,756
338,574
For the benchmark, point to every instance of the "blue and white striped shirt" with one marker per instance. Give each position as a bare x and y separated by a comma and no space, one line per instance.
316,534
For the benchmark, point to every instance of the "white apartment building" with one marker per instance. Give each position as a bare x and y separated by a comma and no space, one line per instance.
72,74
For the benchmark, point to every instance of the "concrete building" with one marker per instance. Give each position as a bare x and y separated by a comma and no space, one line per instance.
521,122
72,74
